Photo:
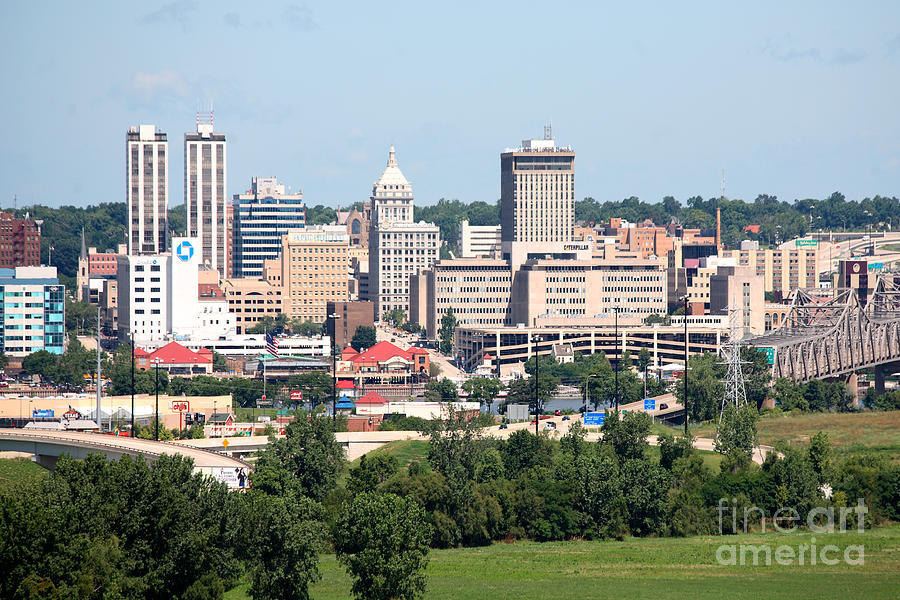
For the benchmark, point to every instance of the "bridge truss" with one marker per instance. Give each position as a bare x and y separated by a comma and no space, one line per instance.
829,334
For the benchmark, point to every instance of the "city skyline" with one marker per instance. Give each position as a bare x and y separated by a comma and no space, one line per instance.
655,102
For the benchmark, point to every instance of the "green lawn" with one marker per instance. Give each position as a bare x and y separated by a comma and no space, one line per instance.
14,472
890,247
643,569
405,451
868,432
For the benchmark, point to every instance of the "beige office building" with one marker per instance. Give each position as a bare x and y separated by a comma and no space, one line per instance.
204,192
251,300
737,292
314,270
784,269
537,195
478,240
540,293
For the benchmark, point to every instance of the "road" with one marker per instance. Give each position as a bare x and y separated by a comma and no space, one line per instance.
52,442
403,340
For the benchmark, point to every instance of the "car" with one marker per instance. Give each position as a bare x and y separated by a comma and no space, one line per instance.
549,425
393,339
567,418
663,406
504,426
557,412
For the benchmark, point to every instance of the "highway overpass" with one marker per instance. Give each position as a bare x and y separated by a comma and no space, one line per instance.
48,446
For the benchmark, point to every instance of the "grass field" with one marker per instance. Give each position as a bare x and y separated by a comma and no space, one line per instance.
890,247
643,569
405,451
16,471
867,432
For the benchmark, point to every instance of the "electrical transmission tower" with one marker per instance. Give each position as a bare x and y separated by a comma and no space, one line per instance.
735,392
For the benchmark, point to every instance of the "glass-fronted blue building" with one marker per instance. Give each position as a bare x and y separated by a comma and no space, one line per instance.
33,313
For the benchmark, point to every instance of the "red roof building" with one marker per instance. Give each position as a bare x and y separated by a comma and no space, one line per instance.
344,384
372,398
175,359
385,357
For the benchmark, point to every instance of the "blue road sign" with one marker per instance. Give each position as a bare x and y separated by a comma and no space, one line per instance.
649,404
594,418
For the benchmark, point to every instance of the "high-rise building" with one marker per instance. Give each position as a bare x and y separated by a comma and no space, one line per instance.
261,217
34,315
478,240
147,189
205,159
314,270
537,194
20,241
398,246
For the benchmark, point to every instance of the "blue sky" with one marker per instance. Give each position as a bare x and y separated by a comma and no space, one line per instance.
794,99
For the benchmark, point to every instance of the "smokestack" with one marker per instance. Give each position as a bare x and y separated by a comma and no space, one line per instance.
718,229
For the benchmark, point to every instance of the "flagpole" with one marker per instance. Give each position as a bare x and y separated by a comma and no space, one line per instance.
265,355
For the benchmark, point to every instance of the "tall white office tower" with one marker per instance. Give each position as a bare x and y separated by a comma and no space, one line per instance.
147,189
398,246
205,159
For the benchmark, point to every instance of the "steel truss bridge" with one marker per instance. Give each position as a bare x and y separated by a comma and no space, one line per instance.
829,333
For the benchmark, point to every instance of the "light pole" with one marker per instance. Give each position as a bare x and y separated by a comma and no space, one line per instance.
334,317
537,376
132,383
685,366
618,357
587,384
156,361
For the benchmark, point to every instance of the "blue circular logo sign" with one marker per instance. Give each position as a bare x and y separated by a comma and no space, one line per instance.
184,251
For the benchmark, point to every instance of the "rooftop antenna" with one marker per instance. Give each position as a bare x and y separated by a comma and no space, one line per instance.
548,131
723,185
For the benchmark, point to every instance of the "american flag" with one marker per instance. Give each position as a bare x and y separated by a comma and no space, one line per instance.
271,345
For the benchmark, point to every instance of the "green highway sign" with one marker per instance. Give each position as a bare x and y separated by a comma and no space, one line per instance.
807,242
770,354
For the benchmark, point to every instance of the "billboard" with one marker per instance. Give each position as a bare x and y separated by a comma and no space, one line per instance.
231,476
594,418
42,414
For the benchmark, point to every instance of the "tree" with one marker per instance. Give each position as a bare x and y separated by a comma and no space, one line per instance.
643,365
627,435
308,459
40,363
441,390
599,495
737,429
482,390
382,539
364,338
285,535
447,332
521,390
820,455
396,316
705,387
219,363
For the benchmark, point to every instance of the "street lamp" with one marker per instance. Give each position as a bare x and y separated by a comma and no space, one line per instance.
156,362
685,298
537,375
132,383
587,381
618,356
334,317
